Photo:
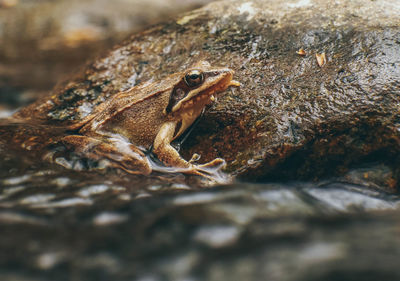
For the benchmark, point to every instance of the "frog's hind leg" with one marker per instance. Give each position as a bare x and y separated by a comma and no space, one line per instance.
119,154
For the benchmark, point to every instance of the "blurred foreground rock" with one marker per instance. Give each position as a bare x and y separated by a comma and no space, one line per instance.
42,42
100,231
291,118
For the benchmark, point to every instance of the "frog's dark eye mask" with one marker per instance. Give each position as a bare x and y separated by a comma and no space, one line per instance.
192,80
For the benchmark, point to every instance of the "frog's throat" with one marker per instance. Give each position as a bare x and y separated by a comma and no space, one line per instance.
187,119
190,110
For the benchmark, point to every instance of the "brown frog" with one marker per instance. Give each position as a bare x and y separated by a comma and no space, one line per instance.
149,117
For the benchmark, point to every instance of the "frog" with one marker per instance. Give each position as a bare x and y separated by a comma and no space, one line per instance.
147,118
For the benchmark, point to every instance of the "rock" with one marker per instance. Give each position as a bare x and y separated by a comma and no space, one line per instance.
291,118
237,232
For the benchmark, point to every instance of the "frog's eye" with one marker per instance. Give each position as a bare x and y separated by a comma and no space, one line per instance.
194,78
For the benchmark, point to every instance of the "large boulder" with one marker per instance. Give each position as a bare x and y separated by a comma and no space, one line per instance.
293,117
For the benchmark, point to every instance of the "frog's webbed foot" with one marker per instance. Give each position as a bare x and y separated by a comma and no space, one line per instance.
217,163
119,154
211,171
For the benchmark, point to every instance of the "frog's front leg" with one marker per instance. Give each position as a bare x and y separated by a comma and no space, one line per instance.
119,153
168,155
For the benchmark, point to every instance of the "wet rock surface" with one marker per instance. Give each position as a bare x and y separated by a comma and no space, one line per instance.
323,140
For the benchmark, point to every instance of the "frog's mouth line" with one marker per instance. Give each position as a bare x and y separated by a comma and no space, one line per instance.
208,96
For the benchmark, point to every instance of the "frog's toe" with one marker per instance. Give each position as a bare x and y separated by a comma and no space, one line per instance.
217,163
195,157
212,171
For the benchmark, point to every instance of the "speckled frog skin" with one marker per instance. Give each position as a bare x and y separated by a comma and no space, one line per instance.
150,116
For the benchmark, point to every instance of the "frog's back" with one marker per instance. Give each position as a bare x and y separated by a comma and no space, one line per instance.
73,105
134,97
